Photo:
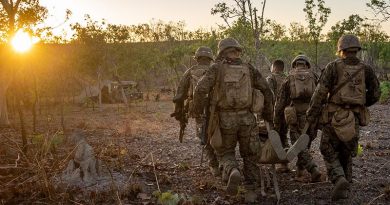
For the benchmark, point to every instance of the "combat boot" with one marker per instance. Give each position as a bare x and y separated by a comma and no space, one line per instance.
340,190
233,182
215,170
315,175
300,175
283,168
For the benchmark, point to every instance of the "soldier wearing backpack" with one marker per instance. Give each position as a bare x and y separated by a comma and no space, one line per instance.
235,86
275,80
291,104
185,91
346,88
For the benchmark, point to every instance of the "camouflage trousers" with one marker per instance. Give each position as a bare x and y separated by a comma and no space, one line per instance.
239,127
283,129
305,160
337,154
210,154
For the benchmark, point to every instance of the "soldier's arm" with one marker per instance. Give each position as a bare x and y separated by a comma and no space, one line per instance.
326,83
260,83
203,88
182,89
282,100
372,85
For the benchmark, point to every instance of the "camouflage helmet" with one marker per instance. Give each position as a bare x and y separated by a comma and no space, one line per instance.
204,51
348,41
300,58
228,43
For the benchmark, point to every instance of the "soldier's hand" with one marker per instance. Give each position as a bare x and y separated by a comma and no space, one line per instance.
277,127
267,116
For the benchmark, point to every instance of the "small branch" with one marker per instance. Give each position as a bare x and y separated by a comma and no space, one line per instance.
376,198
154,170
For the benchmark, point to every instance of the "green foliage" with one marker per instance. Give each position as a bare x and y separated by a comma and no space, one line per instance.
385,89
168,198
352,25
298,32
317,16
381,9
184,166
47,143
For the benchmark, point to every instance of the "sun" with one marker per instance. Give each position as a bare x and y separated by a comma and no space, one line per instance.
22,41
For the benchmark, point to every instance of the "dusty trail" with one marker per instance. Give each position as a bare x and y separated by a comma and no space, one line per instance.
127,141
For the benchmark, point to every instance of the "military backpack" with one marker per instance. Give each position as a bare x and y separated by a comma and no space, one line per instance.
354,90
302,84
236,87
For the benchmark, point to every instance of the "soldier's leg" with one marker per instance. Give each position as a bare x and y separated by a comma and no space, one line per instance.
213,161
283,133
198,127
329,147
348,153
226,152
249,147
294,135
305,160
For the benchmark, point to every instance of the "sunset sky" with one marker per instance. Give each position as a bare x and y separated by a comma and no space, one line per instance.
195,13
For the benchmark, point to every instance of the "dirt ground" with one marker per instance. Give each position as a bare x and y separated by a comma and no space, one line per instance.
144,162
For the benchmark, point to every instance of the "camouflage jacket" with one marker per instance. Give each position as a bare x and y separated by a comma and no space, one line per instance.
183,88
207,83
283,100
328,81
275,81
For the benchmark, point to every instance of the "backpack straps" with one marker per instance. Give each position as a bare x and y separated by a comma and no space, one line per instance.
338,88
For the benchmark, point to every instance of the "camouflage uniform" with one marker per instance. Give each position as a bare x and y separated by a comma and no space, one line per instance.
236,124
275,81
284,99
185,92
336,153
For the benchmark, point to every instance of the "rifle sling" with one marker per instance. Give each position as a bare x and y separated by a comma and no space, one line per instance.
214,101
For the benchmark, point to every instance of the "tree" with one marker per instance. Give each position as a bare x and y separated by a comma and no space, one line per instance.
317,16
14,15
243,15
380,8
352,25
274,31
298,32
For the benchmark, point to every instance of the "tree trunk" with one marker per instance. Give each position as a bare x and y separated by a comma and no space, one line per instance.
4,121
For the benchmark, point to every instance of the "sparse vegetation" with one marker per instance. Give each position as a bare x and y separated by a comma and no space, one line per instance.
385,89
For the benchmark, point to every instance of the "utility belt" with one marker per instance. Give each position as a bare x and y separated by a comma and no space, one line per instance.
360,111
344,119
234,111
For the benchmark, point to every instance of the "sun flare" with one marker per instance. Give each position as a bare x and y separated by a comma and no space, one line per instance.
22,41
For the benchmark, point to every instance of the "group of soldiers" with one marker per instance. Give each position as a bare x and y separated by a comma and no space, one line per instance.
222,95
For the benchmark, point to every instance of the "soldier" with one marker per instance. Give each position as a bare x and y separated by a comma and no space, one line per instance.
233,84
291,104
346,88
204,57
275,81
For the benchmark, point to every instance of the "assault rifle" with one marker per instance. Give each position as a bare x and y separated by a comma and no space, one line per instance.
182,116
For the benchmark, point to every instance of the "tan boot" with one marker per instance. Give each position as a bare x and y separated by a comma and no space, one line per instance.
300,175
233,182
283,168
340,190
315,175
